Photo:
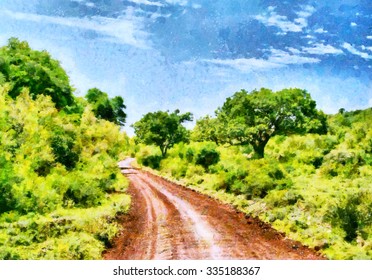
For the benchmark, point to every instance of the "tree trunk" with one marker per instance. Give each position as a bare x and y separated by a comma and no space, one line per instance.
259,148
163,150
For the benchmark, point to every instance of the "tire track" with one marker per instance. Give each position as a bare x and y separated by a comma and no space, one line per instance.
168,221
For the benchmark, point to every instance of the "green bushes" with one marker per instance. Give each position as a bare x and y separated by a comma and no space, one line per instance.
263,176
149,156
63,146
353,215
6,181
50,161
61,234
207,157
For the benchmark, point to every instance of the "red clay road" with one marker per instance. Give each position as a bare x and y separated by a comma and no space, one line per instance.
168,221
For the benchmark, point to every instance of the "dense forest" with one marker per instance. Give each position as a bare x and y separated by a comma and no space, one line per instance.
60,188
273,155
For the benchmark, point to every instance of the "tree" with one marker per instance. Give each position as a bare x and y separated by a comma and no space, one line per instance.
118,106
206,129
162,129
106,108
253,118
23,67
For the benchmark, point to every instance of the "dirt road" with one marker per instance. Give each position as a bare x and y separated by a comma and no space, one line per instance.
167,221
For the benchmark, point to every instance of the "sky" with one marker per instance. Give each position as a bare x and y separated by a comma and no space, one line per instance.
193,54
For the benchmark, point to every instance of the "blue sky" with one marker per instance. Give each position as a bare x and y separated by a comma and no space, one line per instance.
193,54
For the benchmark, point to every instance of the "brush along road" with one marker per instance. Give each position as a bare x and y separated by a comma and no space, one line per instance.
168,221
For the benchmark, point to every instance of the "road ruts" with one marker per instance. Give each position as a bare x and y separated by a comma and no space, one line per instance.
168,221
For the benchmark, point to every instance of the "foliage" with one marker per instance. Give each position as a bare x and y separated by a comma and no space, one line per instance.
24,68
350,217
105,108
206,129
314,188
149,156
207,157
162,129
253,118
62,234
57,175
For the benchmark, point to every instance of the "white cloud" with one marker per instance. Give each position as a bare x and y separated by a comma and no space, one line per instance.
306,12
293,50
363,47
284,58
177,2
354,51
196,6
353,24
369,37
277,59
320,30
282,22
244,64
147,2
322,49
126,29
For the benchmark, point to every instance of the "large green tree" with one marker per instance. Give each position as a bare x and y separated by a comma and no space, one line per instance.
253,118
23,67
162,129
111,109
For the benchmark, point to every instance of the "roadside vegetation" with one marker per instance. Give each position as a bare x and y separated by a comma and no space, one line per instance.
311,178
60,188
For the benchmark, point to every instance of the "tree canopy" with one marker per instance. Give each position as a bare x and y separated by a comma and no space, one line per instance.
23,67
206,129
111,109
253,118
162,129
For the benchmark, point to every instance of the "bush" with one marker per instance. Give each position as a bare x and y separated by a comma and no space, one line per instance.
6,181
83,191
353,215
152,161
263,176
63,145
175,167
149,156
207,157
342,162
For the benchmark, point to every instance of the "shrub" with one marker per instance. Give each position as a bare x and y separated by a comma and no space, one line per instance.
342,162
190,154
207,157
149,156
353,215
152,161
175,167
263,176
6,181
63,144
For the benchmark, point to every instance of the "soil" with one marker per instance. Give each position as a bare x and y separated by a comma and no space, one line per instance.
170,222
